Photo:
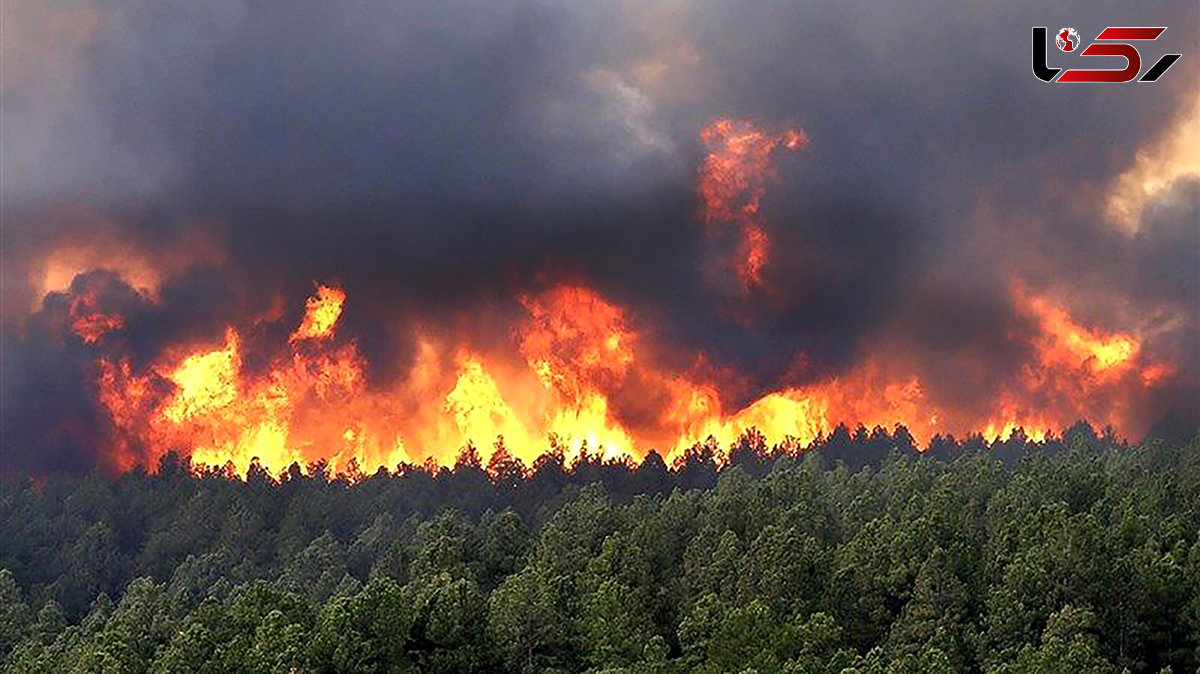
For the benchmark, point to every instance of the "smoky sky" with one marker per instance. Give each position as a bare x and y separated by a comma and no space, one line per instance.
439,159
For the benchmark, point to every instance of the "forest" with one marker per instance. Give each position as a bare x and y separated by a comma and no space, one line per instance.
1079,553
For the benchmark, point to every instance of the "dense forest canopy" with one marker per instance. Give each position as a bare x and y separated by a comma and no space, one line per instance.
858,554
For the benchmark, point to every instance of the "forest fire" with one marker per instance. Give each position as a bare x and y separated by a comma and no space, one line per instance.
575,371
733,183
598,337
89,323
584,362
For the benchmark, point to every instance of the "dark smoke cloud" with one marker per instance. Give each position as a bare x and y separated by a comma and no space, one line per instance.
438,159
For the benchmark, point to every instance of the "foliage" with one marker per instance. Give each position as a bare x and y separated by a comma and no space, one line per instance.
858,555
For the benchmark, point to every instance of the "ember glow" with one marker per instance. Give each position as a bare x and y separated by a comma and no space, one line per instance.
90,324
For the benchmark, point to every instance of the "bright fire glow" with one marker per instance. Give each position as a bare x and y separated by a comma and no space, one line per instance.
733,181
583,362
322,312
577,374
140,265
88,322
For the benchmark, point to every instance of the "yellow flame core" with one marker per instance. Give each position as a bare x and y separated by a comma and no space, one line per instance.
1067,341
584,368
322,312
479,411
205,381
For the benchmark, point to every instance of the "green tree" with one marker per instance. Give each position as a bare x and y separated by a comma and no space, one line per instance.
527,623
14,614
367,632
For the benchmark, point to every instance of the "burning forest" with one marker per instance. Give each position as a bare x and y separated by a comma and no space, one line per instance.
579,365
635,250
559,365
592,245
530,336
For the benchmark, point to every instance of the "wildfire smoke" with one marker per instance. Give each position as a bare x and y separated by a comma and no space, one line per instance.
617,225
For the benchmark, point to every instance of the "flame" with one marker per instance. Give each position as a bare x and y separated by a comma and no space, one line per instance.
802,415
311,404
581,361
88,322
752,255
479,410
733,179
129,398
579,375
573,338
205,382
1064,341
1076,372
322,312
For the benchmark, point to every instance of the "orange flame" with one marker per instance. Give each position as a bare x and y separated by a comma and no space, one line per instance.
315,398
578,375
88,322
733,180
322,312
1077,372
1066,342
584,364
573,337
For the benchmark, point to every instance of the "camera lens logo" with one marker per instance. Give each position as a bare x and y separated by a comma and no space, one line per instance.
1067,39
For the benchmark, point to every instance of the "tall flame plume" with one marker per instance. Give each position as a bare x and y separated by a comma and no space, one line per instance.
583,362
578,372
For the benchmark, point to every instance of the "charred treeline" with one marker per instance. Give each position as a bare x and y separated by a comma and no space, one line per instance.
1078,554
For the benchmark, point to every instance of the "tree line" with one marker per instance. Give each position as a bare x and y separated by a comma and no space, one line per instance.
857,554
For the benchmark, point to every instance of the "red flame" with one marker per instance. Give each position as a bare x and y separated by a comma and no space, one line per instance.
88,322
579,372
733,181
583,360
